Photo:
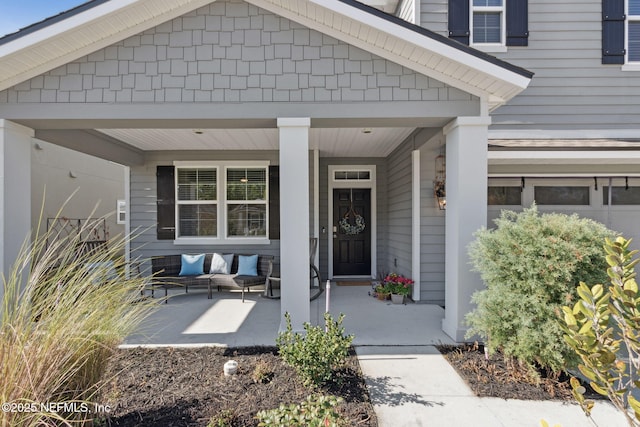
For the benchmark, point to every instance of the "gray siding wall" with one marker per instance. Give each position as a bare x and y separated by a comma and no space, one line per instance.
432,227
230,52
571,89
144,212
381,206
399,209
433,15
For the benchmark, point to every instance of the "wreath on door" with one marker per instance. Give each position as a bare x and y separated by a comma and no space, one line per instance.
352,223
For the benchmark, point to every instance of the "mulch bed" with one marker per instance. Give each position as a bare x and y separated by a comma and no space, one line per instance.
187,387
494,377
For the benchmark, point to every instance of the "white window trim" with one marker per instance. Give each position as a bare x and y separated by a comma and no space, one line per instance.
221,202
628,65
489,47
121,211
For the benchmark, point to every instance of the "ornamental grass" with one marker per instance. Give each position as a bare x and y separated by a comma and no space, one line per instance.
63,314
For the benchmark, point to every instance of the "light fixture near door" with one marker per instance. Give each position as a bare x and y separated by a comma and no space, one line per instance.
439,187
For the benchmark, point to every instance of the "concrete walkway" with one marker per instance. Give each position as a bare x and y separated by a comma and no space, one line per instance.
410,383
415,386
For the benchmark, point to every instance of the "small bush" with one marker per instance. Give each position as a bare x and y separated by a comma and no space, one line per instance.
316,411
262,373
317,353
224,418
531,265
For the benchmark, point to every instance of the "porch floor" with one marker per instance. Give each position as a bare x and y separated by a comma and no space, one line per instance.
192,319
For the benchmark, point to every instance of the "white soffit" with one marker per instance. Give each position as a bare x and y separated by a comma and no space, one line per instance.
332,142
61,42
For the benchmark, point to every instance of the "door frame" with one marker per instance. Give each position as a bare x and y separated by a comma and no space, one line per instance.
347,183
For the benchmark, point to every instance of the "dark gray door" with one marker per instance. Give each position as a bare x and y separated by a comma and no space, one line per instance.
352,246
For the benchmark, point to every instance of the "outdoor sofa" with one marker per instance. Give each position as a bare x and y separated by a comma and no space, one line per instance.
166,271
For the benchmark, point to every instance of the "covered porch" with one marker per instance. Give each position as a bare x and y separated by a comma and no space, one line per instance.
230,86
193,320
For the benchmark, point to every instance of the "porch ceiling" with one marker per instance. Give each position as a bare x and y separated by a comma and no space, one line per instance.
332,142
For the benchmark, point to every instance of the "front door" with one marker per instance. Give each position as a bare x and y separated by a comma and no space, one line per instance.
352,231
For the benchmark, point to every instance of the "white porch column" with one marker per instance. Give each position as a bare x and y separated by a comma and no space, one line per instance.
294,220
466,186
15,191
415,224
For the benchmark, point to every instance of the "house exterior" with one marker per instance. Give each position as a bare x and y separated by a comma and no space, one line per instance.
72,186
248,126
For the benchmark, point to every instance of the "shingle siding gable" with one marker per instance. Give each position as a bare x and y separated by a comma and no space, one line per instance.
227,52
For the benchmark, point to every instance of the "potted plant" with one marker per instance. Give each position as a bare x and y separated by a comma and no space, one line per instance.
381,292
399,287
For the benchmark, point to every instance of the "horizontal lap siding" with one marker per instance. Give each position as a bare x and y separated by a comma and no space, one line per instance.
399,209
143,212
433,15
571,89
432,228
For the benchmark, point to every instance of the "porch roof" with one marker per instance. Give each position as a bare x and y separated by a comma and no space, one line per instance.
99,23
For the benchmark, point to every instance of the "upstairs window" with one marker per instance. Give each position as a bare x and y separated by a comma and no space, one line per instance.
633,30
487,22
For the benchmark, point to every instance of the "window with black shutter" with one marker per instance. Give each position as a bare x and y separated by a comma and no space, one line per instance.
489,16
166,202
217,201
613,31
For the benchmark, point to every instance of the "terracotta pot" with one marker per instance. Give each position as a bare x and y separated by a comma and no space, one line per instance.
383,297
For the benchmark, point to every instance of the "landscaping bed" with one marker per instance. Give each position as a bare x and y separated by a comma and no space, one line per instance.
187,387
494,377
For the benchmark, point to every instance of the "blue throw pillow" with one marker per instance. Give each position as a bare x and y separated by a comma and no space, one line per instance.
192,265
248,265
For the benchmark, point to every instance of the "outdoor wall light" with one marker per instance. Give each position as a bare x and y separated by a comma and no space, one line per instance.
439,188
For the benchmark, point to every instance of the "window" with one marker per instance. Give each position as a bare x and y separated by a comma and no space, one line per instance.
504,196
352,175
621,195
197,202
246,202
488,21
561,195
121,212
633,31
222,201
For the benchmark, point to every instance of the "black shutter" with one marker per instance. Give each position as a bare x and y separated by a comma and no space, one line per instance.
274,202
517,22
459,20
613,32
166,202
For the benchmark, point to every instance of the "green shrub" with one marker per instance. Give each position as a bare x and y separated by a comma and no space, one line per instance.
316,411
531,264
603,328
316,353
